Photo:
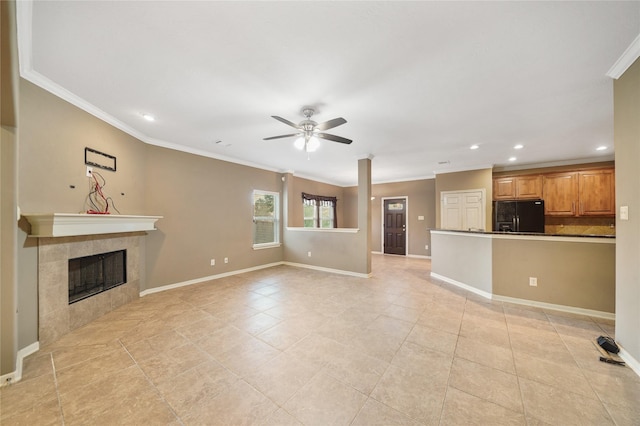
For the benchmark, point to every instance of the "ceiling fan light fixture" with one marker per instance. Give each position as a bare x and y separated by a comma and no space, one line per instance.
299,143
313,144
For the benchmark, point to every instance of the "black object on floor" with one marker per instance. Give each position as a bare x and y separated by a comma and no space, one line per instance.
608,344
611,361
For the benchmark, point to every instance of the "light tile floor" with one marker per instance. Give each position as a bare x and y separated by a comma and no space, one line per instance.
285,346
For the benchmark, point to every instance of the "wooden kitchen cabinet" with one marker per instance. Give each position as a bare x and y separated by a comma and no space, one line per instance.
504,188
582,193
529,187
597,193
560,193
517,188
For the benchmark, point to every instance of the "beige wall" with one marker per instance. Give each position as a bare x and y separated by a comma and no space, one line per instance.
350,206
627,146
208,212
420,195
9,331
335,249
53,135
8,290
301,185
464,258
458,181
577,274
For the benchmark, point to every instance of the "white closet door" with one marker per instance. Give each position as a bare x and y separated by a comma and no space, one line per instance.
462,209
452,204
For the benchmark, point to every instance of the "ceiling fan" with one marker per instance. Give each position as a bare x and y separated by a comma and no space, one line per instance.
309,131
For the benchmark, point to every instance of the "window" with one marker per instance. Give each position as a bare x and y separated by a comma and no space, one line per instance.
266,226
319,211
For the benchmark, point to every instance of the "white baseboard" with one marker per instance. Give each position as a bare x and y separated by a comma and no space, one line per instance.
527,302
461,285
415,256
334,271
208,278
242,271
629,360
16,376
561,308
418,256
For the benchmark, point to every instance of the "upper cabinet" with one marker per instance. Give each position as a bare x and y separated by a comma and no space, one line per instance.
571,193
583,193
560,194
517,187
504,188
597,192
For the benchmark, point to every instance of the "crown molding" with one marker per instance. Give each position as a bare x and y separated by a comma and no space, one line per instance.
575,161
626,60
463,169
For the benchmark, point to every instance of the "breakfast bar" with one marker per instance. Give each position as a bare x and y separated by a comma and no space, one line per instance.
572,273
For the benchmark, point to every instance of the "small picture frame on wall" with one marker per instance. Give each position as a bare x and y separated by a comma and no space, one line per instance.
99,159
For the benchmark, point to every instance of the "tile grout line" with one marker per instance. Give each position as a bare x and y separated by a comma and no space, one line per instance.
55,380
157,391
583,373
515,369
446,390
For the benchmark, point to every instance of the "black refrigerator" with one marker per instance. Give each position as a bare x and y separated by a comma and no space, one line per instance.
518,216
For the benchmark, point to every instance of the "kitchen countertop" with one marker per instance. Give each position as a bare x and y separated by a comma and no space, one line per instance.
528,234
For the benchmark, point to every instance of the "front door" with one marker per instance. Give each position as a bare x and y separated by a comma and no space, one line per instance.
395,226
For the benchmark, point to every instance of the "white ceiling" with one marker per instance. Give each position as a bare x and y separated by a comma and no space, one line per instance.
417,82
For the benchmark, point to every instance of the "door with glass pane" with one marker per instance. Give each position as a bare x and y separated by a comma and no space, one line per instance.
395,226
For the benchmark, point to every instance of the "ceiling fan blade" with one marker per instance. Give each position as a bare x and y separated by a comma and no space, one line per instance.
281,136
330,124
285,121
333,138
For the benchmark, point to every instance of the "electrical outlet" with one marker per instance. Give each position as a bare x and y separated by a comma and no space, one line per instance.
533,281
89,171
213,262
309,254
226,260
426,247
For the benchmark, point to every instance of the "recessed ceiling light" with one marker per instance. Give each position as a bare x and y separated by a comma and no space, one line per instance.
148,117
519,146
512,158
474,146
601,148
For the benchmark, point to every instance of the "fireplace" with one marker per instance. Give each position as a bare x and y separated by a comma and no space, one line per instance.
58,312
90,275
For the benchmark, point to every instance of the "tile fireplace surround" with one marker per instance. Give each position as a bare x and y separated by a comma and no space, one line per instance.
57,317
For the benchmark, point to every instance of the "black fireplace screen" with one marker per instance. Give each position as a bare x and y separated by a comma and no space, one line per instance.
91,275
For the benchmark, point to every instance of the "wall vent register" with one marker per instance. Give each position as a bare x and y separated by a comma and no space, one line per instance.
91,275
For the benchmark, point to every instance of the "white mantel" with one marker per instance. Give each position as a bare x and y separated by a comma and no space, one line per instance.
73,224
